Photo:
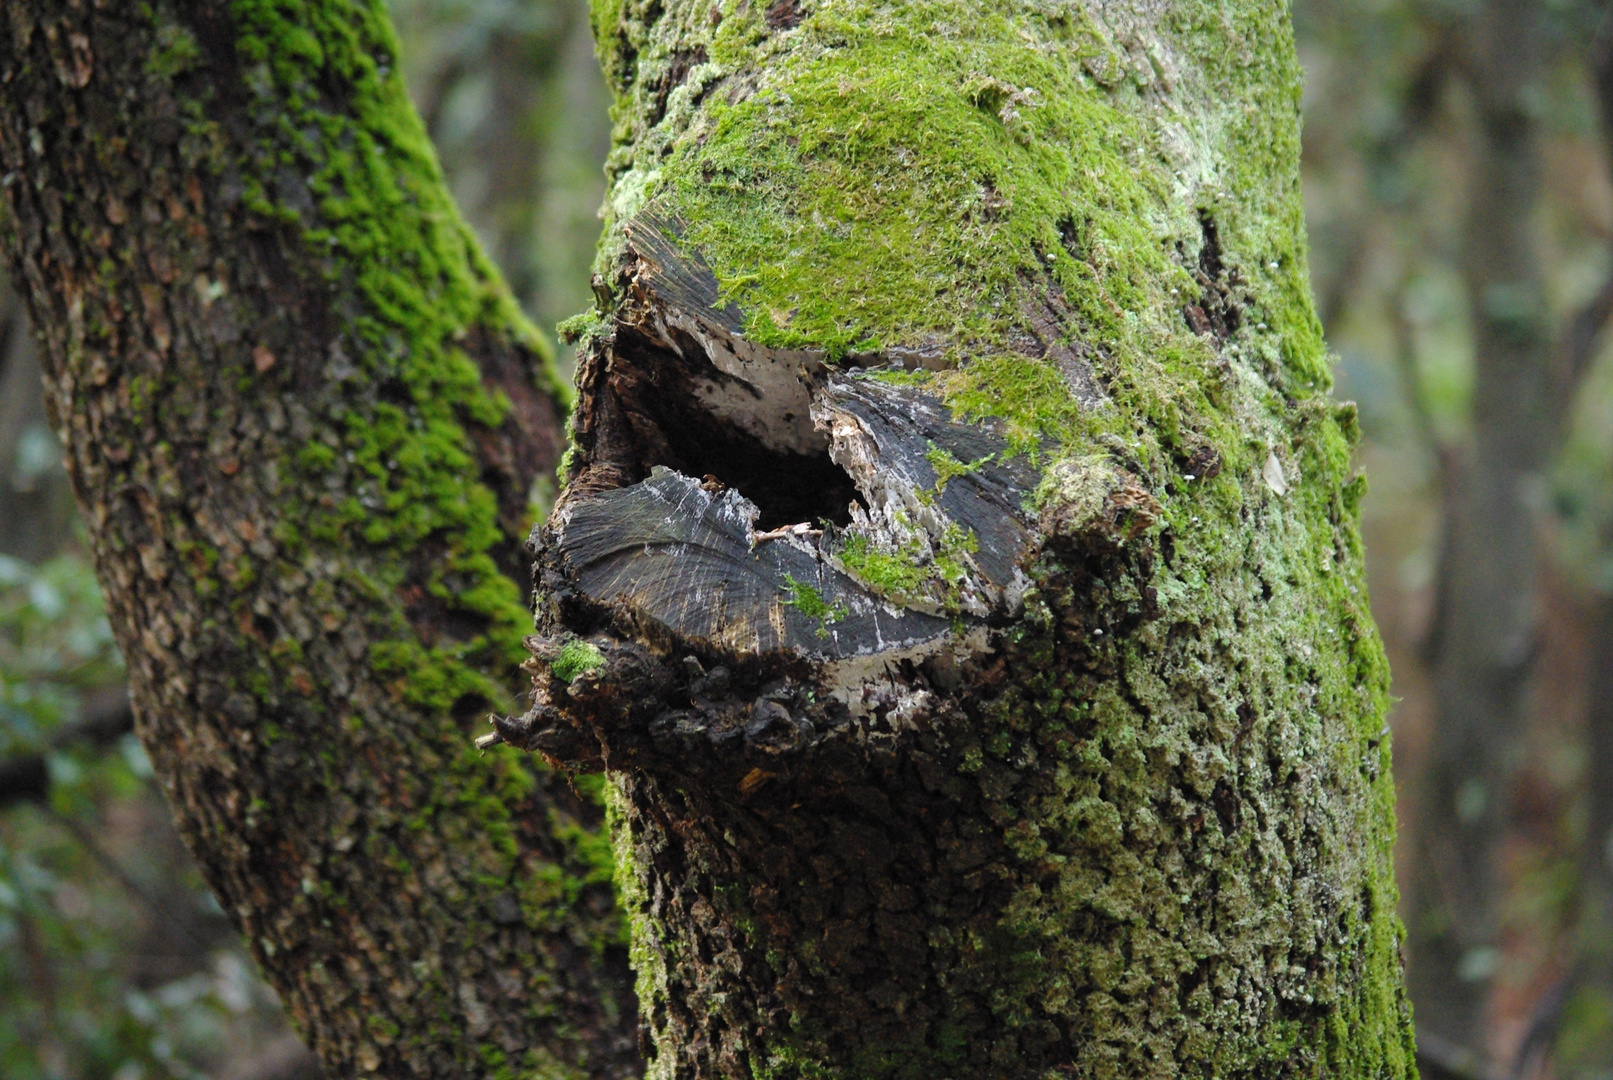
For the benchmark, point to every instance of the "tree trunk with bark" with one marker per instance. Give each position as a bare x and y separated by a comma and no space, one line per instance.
302,417
957,582
957,578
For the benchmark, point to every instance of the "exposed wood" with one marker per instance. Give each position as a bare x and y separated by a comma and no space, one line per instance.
683,563
679,386
887,438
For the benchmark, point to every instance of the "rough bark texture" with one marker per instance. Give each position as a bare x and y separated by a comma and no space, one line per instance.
958,579
302,419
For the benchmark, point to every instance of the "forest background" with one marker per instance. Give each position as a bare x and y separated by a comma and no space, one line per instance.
1459,194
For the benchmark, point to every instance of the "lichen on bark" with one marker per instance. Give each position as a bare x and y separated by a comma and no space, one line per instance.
1121,807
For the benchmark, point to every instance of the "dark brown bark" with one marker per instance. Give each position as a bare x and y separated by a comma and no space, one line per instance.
302,419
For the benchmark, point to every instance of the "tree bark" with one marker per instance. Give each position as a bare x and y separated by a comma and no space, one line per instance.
302,418
958,578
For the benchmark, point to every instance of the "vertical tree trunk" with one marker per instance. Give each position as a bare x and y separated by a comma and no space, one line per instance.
1484,639
302,419
1591,980
958,578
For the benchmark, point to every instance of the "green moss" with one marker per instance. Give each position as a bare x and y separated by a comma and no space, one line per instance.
417,284
948,467
384,508
886,164
810,602
898,575
583,327
648,948
896,377
912,572
951,551
176,52
884,152
576,658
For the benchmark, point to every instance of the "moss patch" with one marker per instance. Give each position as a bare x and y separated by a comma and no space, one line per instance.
384,502
810,602
576,658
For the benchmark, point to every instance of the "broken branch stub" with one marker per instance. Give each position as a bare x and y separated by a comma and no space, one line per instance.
766,552
777,601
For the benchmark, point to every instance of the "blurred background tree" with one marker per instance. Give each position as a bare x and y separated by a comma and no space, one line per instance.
1459,183
1458,189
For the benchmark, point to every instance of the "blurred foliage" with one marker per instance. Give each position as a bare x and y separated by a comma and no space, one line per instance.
1582,490
87,916
1388,133
1391,130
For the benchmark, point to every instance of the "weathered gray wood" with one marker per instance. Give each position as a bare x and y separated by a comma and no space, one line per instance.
907,425
686,561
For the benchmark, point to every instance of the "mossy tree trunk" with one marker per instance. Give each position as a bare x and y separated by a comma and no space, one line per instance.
302,419
957,578
957,582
